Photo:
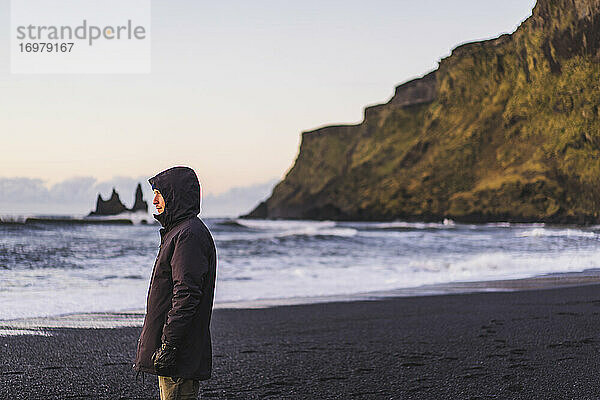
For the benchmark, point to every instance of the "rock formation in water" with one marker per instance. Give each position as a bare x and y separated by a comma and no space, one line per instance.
114,206
504,129
139,203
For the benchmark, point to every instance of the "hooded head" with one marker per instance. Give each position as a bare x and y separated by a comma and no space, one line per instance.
180,188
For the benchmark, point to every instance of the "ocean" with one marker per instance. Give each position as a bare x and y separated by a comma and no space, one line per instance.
50,269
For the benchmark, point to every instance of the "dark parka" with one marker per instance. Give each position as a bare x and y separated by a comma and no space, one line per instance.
180,297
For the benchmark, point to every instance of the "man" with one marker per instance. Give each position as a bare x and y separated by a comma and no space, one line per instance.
175,343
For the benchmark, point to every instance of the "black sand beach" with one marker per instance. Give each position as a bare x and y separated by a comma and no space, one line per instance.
536,344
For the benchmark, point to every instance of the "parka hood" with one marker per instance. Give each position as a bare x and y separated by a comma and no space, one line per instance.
180,188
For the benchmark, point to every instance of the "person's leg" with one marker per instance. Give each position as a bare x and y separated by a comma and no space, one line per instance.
178,388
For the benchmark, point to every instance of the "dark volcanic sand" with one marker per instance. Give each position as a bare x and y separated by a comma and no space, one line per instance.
542,344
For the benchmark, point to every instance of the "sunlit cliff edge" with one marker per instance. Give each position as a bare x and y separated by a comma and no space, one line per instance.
506,129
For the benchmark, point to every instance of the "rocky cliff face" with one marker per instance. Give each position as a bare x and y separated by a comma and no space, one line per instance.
504,129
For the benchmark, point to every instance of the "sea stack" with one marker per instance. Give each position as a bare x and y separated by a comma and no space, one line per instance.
115,206
139,203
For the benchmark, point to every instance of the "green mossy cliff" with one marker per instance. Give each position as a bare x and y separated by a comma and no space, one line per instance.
504,129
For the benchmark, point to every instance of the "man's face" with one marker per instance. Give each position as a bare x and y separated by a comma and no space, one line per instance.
159,202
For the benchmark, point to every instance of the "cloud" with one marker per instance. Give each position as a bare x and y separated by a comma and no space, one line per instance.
71,196
236,201
22,190
77,196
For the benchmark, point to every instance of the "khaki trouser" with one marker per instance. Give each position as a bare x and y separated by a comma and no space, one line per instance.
178,388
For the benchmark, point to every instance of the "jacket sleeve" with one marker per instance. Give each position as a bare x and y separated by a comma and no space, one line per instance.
189,268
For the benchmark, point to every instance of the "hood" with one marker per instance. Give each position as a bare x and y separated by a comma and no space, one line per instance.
180,188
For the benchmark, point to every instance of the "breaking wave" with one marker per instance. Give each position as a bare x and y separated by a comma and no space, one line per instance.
55,268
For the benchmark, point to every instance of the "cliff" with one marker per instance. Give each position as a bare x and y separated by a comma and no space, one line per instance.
504,129
114,206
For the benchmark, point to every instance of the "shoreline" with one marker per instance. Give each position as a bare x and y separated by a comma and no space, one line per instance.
135,318
530,344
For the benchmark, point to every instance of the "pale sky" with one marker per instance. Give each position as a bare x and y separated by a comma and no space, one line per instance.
233,85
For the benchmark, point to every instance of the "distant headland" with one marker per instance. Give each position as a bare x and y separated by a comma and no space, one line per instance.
114,205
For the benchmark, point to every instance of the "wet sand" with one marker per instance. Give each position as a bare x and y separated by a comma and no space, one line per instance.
531,344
